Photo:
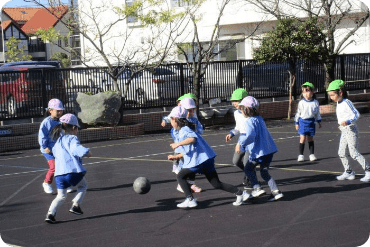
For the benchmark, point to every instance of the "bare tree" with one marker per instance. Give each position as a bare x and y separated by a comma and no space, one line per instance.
202,52
341,20
136,36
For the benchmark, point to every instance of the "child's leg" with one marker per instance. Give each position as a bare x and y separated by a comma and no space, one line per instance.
213,179
81,191
193,186
352,138
238,160
302,139
250,171
342,152
50,173
182,177
58,201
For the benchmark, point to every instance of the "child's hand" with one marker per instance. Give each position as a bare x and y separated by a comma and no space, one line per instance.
237,148
172,157
344,123
174,146
228,137
296,127
89,154
163,124
47,150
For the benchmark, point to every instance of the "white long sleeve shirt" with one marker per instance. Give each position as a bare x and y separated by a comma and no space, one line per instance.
308,109
240,123
347,112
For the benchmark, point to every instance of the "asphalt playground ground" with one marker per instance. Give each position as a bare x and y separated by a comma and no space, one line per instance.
316,210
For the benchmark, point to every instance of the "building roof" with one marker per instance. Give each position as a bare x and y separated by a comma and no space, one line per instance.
44,19
20,15
6,24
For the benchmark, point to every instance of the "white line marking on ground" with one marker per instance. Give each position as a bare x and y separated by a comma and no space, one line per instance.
24,186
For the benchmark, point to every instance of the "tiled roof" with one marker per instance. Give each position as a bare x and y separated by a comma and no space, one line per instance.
6,24
43,19
20,14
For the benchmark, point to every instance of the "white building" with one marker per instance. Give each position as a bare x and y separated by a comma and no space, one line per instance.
128,40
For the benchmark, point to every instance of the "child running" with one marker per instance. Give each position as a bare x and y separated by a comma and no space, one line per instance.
258,141
189,104
308,112
69,170
347,116
198,158
239,157
55,111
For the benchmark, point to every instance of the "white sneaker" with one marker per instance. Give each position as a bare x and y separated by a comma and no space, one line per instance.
69,190
258,191
47,188
300,158
312,157
188,203
242,198
275,195
179,188
346,175
366,178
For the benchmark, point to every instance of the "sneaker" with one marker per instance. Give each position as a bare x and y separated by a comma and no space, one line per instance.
47,188
195,188
366,178
179,188
300,158
50,219
69,190
188,203
312,157
76,210
258,191
247,184
275,195
346,175
242,198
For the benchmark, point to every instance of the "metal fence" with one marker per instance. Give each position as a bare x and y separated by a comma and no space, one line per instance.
26,94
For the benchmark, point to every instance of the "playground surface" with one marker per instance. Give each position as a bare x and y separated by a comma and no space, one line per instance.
316,210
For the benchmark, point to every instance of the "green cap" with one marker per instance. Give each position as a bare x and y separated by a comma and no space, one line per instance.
309,84
187,95
335,85
239,94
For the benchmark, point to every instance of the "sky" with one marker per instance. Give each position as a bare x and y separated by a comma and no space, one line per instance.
22,3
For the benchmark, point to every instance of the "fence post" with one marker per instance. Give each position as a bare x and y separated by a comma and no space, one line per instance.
182,89
43,88
342,69
239,80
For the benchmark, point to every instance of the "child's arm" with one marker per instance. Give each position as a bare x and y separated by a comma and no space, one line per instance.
165,120
297,115
318,116
187,141
44,137
175,157
77,149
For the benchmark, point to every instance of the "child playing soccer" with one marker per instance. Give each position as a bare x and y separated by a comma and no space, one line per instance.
347,116
198,158
258,141
69,170
308,113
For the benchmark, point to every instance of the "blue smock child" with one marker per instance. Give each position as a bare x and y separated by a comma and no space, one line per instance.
261,147
198,158
69,170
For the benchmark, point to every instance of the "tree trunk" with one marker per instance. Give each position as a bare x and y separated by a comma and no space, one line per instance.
291,87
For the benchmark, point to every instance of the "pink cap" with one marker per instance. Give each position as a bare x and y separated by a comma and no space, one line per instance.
55,104
69,119
188,103
179,112
250,101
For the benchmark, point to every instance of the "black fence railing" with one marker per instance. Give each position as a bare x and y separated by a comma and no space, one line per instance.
41,47
25,94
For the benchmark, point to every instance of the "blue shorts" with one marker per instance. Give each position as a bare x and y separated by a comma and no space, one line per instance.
307,127
67,180
206,167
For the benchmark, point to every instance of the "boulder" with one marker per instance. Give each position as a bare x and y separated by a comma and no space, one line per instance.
101,108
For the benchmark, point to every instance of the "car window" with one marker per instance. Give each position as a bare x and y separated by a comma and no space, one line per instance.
162,71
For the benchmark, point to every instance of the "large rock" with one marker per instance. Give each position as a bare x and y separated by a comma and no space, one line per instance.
101,108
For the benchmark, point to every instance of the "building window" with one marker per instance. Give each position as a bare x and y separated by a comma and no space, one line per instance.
131,19
59,42
181,3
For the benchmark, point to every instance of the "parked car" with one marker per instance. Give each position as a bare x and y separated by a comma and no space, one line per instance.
50,63
28,85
